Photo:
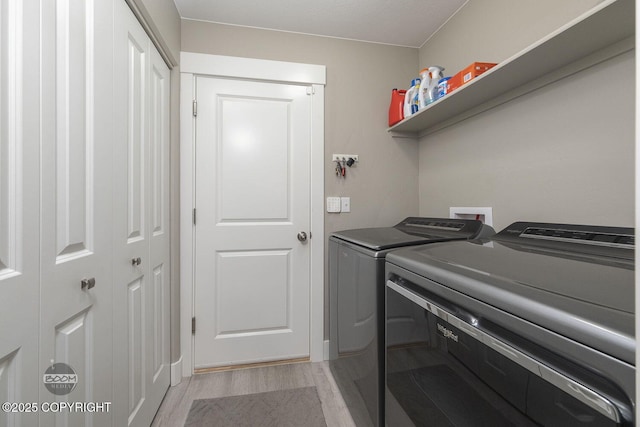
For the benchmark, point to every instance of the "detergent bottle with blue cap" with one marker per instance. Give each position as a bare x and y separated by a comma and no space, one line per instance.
410,97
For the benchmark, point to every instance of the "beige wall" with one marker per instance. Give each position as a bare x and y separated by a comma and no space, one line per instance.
384,185
563,153
494,30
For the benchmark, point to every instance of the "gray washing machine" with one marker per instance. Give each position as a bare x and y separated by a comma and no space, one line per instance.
534,326
356,281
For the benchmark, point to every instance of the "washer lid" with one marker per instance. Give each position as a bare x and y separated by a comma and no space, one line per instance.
412,231
380,238
583,296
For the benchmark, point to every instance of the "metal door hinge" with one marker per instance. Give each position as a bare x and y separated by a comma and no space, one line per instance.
194,216
311,90
195,108
193,325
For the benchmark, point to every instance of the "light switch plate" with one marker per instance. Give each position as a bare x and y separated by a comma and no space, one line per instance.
345,204
333,204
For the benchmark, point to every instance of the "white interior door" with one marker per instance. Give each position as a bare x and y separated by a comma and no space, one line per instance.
20,380
76,176
252,200
141,224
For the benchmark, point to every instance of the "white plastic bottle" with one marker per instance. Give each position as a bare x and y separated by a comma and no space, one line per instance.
436,73
409,97
429,87
415,107
423,96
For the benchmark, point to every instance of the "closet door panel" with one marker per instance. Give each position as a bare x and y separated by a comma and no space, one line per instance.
136,138
73,140
19,206
158,364
76,182
131,202
141,205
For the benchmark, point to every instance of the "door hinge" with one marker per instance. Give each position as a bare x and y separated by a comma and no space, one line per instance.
195,108
311,90
194,216
193,325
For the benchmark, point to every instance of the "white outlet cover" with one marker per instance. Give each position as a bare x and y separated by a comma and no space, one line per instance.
333,204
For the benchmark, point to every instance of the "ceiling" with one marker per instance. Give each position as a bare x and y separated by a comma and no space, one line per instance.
397,22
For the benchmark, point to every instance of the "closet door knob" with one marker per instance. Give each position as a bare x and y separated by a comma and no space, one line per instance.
136,261
87,284
302,236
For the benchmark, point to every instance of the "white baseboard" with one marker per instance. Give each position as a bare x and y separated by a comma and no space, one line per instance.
176,372
326,349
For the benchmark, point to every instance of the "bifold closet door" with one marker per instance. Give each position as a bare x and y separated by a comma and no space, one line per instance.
76,141
20,380
141,224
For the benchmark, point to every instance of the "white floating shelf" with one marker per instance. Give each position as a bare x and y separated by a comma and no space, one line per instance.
603,32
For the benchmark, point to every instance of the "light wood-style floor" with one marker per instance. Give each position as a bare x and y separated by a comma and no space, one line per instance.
175,407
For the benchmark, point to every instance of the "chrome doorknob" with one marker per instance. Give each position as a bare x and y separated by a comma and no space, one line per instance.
136,261
302,236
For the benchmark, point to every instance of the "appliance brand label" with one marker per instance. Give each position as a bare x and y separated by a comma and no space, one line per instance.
448,333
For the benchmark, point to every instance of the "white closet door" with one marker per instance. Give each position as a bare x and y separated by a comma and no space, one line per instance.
141,227
158,363
76,181
19,207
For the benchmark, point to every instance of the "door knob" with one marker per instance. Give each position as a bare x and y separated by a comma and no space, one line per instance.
86,284
136,261
302,236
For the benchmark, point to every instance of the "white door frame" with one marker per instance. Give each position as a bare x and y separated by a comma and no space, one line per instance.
192,64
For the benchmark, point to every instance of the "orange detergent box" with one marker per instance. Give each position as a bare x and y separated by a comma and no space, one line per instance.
469,73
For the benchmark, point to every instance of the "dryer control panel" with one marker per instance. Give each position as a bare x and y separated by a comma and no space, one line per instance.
598,240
